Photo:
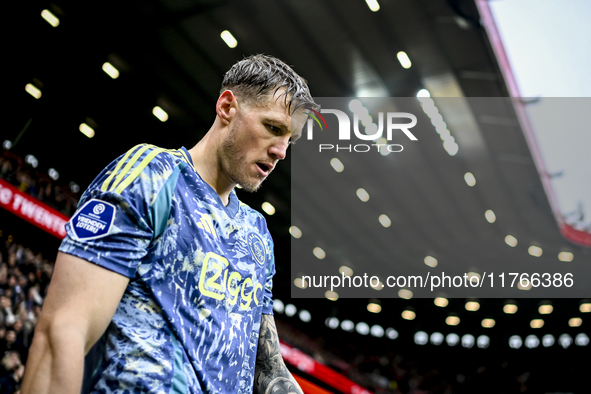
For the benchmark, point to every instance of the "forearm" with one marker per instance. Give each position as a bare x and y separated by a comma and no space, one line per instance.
55,364
271,374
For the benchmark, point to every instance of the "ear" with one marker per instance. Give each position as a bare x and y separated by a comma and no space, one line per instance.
226,106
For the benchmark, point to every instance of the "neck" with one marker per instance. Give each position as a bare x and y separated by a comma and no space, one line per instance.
206,162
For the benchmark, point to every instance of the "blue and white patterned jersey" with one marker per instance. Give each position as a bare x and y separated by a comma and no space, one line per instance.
200,276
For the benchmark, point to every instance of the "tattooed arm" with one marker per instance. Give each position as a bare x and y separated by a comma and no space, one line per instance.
271,376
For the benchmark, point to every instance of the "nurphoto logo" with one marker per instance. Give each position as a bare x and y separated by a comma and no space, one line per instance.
392,123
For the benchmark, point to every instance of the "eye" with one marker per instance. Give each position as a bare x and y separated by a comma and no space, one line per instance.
274,129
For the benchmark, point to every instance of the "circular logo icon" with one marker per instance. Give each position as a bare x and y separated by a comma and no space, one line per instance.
257,248
98,209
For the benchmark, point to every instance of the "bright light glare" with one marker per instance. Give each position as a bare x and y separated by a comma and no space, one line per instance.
302,284
344,270
374,308
532,342
423,93
408,315
160,114
319,253
403,59
278,306
581,340
535,251
347,325
362,328
337,164
585,308
437,338
510,309
575,322
110,70
332,322
295,232
86,130
483,341
469,178
385,221
362,194
421,338
515,342
391,333
488,323
229,39
545,309
268,208
33,91
377,331
490,216
468,341
378,286
431,261
305,316
472,306
452,320
373,5
441,302
511,241
405,294
536,323
452,339
567,257
331,295
50,18
290,310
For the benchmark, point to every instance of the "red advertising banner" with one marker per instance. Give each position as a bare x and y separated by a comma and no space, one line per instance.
307,364
32,210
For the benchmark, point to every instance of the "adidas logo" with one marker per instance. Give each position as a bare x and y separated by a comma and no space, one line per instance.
207,225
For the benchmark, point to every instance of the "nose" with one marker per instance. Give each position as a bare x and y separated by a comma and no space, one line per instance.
279,148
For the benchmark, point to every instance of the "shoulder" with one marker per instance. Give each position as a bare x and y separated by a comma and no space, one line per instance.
253,216
142,163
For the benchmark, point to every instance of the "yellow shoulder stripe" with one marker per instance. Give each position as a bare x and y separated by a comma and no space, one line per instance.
105,185
120,178
136,172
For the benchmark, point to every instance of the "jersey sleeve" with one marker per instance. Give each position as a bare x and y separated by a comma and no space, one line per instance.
268,290
115,221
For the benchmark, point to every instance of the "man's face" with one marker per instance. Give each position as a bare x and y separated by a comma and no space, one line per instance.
258,139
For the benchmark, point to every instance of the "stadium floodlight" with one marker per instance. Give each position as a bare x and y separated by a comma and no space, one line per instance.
483,341
515,342
305,316
362,328
391,333
565,340
548,340
332,322
421,338
581,340
532,342
290,310
278,306
347,325
377,331
452,339
437,338
468,341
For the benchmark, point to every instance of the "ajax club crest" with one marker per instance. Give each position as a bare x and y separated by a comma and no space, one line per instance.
257,248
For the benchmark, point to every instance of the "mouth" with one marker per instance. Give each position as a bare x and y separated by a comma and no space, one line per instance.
264,168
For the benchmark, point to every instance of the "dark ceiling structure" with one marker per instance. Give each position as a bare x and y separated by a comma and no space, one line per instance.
169,53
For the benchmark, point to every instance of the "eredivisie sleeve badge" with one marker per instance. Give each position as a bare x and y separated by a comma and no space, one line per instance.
93,220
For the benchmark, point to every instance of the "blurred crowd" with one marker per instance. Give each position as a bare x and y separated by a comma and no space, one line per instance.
37,183
24,277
